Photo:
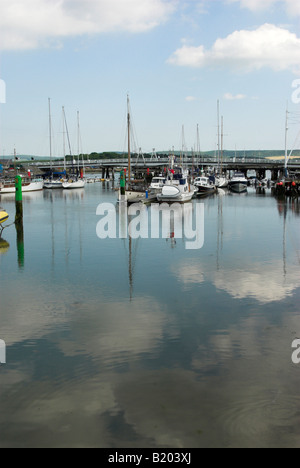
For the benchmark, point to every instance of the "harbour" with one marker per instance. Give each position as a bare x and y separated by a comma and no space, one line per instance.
140,342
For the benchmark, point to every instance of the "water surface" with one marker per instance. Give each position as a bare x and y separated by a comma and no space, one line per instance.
112,343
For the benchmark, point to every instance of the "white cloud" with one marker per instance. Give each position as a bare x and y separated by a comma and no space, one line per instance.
231,97
292,6
268,46
35,23
190,98
263,283
255,5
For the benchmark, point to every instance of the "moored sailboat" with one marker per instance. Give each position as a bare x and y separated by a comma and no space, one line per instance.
75,181
133,191
51,183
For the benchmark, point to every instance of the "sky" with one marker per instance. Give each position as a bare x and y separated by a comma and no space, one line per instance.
174,58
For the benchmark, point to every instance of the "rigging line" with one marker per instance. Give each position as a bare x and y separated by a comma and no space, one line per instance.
68,136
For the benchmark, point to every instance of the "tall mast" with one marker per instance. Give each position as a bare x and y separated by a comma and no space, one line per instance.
198,147
50,132
78,143
222,142
64,138
68,137
286,140
128,129
183,147
218,135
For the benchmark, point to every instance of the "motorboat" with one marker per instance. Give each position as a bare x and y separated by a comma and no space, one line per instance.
205,186
173,191
238,183
172,194
27,186
157,184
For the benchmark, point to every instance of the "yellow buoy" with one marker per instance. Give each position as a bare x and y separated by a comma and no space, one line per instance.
3,216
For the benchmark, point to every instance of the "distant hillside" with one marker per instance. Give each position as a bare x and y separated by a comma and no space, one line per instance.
248,154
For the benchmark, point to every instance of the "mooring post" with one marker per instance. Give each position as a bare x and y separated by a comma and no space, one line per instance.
19,220
122,183
19,200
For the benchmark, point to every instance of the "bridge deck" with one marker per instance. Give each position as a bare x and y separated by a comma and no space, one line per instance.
248,164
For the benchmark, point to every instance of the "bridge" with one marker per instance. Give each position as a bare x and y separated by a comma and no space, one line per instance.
260,166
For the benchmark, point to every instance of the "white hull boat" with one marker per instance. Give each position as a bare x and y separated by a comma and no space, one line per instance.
238,183
33,186
71,185
157,184
54,184
176,194
205,186
221,182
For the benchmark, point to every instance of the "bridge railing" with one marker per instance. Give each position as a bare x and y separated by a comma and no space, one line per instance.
165,162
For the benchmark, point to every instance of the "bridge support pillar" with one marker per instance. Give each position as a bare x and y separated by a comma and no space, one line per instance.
107,173
261,174
103,172
274,175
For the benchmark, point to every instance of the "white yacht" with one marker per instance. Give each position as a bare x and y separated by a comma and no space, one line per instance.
238,183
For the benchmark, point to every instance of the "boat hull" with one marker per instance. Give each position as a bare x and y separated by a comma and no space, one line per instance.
238,187
30,187
184,198
221,182
74,185
173,194
206,192
131,196
53,185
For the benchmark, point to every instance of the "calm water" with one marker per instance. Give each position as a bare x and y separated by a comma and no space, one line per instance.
112,343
